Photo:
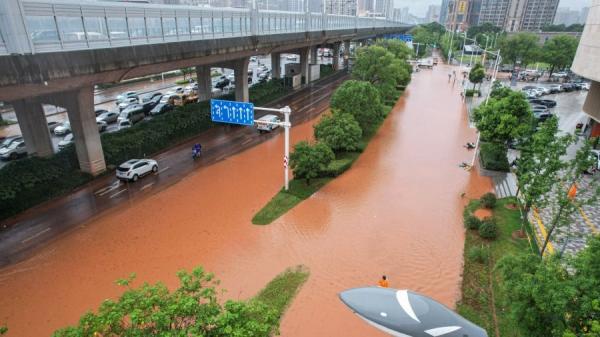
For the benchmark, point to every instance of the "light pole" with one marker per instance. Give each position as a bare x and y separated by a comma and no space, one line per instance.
462,54
450,47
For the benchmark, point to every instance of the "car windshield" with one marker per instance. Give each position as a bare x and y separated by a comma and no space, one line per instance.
122,169
14,144
7,141
68,137
66,125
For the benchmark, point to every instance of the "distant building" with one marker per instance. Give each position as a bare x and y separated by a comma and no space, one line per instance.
444,12
457,18
567,16
512,15
433,13
341,7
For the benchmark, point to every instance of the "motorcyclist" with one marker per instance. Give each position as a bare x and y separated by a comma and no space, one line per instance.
196,150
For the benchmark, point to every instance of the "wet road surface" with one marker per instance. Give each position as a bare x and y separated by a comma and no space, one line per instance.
397,211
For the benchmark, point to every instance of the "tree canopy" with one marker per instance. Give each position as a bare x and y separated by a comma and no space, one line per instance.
522,47
576,27
559,51
340,131
374,64
309,161
361,100
504,119
476,74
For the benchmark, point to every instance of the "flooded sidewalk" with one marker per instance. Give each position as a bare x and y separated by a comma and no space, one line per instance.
398,212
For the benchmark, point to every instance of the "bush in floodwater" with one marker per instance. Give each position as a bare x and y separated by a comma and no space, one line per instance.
488,229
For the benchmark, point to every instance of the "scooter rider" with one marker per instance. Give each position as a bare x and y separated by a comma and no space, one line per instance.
196,150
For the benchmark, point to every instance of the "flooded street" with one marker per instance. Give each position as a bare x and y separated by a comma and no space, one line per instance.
398,212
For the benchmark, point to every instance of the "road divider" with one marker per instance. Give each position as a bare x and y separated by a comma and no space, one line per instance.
36,235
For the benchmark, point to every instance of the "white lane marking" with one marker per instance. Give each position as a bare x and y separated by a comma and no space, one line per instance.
402,297
146,186
107,189
36,235
162,170
121,191
442,330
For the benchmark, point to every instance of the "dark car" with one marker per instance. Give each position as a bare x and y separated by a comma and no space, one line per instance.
150,97
100,112
149,105
568,87
548,103
541,115
222,83
161,108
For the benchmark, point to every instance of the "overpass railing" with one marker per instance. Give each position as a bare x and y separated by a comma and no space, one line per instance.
38,26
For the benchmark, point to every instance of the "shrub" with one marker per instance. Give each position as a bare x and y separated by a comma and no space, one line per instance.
340,131
478,254
326,70
361,100
471,221
488,200
310,161
488,229
471,92
494,157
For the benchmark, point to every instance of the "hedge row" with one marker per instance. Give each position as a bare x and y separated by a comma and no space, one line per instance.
30,181
494,157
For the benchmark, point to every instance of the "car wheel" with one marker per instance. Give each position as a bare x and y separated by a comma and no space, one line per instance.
135,178
154,168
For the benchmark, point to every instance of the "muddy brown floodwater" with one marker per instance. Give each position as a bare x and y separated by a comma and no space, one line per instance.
396,212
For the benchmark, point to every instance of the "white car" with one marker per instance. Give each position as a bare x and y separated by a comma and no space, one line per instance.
126,95
63,129
585,86
108,117
177,90
124,124
263,124
65,141
560,74
14,150
292,57
101,125
127,102
133,169
165,99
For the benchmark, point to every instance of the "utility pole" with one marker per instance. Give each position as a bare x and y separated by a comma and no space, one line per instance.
462,54
451,46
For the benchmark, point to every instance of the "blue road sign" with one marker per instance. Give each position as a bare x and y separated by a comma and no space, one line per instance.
231,112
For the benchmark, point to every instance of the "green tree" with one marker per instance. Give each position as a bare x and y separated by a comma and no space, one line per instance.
424,37
505,119
340,131
562,206
398,48
559,51
477,74
309,161
186,71
522,47
192,309
553,297
361,100
374,64
540,164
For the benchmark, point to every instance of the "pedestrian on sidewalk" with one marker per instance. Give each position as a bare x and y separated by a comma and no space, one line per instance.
449,76
383,282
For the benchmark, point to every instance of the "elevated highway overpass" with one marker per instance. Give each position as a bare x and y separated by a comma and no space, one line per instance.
55,51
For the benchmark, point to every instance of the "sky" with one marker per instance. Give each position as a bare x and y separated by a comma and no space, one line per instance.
419,7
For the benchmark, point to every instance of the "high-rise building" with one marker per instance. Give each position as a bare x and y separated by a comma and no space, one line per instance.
341,7
494,12
515,15
458,15
444,12
433,13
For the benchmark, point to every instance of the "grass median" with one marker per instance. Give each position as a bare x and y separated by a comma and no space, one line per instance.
483,301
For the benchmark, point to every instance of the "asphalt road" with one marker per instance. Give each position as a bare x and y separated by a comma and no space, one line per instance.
39,225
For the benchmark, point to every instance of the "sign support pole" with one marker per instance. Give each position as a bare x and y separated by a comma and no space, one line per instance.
286,111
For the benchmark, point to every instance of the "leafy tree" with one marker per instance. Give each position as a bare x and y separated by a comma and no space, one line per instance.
540,164
309,161
192,309
576,27
187,71
553,297
3,330
559,51
340,131
361,100
521,46
477,74
563,206
398,48
504,119
485,28
374,64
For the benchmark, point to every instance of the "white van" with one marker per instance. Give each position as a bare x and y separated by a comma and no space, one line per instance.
264,127
134,113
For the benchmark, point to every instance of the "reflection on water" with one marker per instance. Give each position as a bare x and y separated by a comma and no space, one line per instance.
396,212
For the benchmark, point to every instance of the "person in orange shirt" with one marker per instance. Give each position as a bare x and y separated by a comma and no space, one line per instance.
383,282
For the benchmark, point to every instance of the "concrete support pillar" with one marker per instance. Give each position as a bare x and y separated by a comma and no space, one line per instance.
346,54
336,56
304,70
34,127
276,65
314,55
80,109
204,83
240,71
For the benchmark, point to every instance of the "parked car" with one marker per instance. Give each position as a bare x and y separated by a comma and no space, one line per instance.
161,108
108,117
596,157
127,95
101,125
568,87
65,141
151,104
52,126
253,59
133,169
555,88
13,151
99,112
222,83
124,124
9,140
262,68
263,76
151,96
63,129
191,87
585,86
560,74
134,113
167,98
177,90
538,107
291,57
548,103
541,115
127,102
261,126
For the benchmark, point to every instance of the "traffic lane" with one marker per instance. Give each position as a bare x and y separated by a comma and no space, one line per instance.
40,225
